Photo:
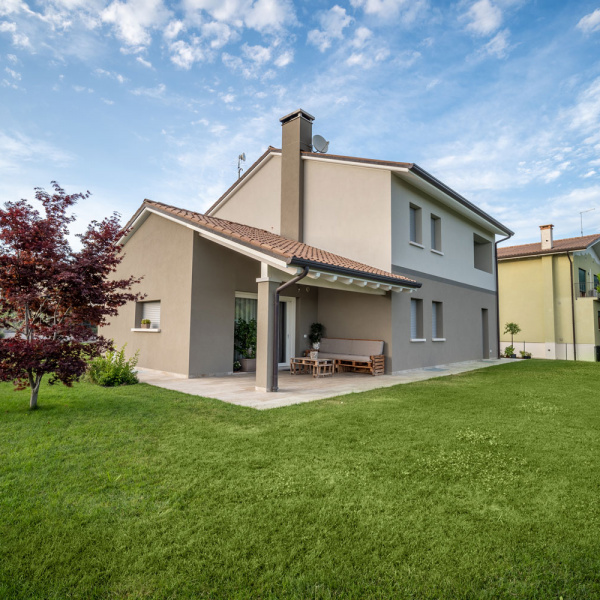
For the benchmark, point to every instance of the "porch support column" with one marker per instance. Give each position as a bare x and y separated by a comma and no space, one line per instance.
264,333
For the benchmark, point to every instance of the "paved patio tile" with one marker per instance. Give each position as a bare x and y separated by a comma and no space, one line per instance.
296,389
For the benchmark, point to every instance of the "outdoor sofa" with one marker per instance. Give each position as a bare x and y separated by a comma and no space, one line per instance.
354,355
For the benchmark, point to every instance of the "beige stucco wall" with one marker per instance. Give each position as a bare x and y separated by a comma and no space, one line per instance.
160,251
457,261
347,211
257,201
357,316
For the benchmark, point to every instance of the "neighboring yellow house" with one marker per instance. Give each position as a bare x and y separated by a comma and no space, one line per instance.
549,290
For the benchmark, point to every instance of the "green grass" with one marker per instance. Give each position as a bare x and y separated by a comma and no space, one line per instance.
483,485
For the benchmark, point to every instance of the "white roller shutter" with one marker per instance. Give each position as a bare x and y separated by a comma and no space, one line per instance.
151,310
413,319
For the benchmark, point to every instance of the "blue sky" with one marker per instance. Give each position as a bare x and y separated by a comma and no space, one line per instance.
135,99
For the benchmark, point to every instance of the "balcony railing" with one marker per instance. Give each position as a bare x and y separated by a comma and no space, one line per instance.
586,290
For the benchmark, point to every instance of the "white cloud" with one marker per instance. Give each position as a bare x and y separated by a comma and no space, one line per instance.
155,92
498,46
144,62
12,58
80,88
390,9
585,115
18,39
485,18
16,149
361,36
184,54
133,19
173,29
590,173
284,59
258,54
590,23
13,74
219,34
109,102
111,74
228,98
261,15
8,7
333,22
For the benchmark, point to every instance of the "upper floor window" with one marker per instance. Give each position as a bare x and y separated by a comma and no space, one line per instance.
482,254
436,233
416,235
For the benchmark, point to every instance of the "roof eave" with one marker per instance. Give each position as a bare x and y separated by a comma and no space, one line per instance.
303,262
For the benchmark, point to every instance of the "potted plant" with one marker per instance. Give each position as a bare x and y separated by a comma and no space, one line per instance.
509,352
525,354
316,333
145,323
513,329
245,343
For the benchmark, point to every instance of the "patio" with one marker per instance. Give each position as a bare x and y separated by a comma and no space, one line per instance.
295,389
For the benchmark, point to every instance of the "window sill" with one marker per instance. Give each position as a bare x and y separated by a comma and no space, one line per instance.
418,340
438,339
437,252
417,245
145,330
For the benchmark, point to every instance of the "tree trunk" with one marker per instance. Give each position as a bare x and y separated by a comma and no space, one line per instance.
35,388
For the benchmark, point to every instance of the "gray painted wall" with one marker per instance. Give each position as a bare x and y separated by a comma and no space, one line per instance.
462,307
457,262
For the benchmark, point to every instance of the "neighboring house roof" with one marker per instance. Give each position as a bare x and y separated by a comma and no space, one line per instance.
559,246
411,168
291,252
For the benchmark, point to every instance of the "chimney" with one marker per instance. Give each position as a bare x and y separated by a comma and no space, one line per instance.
296,136
547,241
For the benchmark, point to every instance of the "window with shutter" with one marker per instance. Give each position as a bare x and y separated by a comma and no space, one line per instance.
151,311
416,319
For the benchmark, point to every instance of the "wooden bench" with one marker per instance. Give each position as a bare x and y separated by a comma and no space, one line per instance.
364,356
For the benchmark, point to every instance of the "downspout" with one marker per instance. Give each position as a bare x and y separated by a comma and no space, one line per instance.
572,307
498,290
287,284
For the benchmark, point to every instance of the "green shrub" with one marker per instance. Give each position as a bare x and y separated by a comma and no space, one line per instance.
113,369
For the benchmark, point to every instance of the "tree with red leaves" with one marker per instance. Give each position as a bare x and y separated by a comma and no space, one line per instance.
53,297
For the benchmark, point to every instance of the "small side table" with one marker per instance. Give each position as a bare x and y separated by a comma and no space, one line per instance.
318,367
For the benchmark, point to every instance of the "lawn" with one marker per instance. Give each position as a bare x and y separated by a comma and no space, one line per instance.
482,485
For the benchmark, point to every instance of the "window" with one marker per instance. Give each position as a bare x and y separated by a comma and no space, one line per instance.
482,254
416,236
416,320
436,233
599,319
151,311
582,276
437,321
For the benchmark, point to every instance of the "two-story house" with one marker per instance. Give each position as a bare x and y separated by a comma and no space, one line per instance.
549,289
376,250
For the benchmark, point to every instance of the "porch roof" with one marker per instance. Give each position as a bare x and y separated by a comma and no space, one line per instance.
291,252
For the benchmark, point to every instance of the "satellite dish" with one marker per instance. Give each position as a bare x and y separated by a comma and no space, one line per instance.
320,143
242,156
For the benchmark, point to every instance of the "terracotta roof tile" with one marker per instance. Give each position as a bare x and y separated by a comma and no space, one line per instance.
564,245
290,251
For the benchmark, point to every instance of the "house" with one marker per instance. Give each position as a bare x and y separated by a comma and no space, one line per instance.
377,250
549,290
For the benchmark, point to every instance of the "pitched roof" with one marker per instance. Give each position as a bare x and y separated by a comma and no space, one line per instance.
292,252
411,167
559,246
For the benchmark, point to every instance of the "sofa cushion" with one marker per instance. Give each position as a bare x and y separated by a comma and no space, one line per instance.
335,345
369,347
357,357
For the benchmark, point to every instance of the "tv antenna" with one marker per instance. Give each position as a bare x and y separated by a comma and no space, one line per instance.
241,159
581,217
320,144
